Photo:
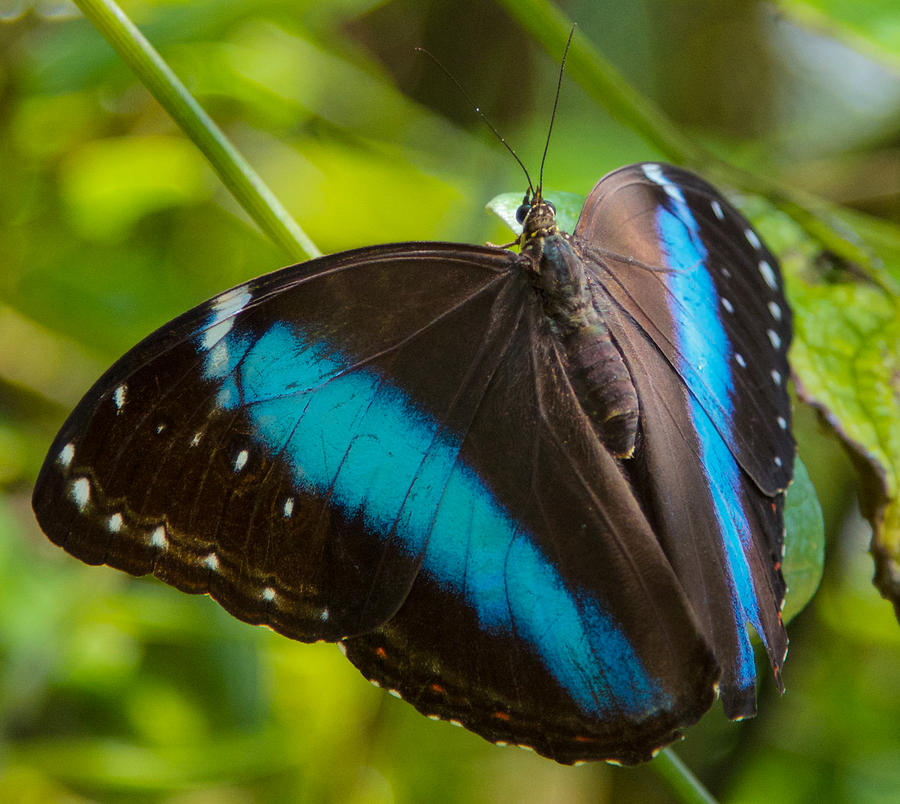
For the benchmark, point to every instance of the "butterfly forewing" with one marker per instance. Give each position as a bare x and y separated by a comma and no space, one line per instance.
696,307
212,454
703,266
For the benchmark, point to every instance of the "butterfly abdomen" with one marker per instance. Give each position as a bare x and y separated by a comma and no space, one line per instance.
603,386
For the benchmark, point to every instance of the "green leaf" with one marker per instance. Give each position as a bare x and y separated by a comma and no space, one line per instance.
804,541
847,354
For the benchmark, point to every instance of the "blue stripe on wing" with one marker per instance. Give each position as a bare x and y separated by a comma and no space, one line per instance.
349,433
705,349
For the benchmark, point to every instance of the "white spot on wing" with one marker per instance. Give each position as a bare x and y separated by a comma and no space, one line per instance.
119,397
782,422
740,360
654,172
342,648
774,337
196,439
768,274
778,461
395,693
717,208
115,523
727,305
324,615
81,492
158,538
211,562
160,428
268,594
66,454
775,310
752,239
214,335
221,316
241,461
229,304
289,507
776,377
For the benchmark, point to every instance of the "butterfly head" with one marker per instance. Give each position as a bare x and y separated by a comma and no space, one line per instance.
537,216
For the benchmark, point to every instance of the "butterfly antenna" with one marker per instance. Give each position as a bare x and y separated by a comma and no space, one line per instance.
562,68
481,114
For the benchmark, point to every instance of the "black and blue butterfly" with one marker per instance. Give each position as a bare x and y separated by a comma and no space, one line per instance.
536,493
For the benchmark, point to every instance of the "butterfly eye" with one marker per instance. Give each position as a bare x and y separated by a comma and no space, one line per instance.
522,212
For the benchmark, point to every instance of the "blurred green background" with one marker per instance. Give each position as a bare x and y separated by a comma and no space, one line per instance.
111,223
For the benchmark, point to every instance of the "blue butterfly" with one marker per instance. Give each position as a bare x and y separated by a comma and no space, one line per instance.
536,493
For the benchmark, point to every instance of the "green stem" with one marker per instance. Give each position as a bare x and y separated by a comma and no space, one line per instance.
684,785
237,175
550,27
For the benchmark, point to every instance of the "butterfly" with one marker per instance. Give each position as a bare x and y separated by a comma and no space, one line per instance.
537,493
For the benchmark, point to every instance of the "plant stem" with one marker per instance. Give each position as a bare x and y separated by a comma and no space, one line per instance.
550,27
684,785
234,171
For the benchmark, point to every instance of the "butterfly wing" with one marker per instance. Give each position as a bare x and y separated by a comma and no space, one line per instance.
382,447
203,453
701,317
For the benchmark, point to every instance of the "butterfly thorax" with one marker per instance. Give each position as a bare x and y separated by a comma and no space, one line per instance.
594,363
